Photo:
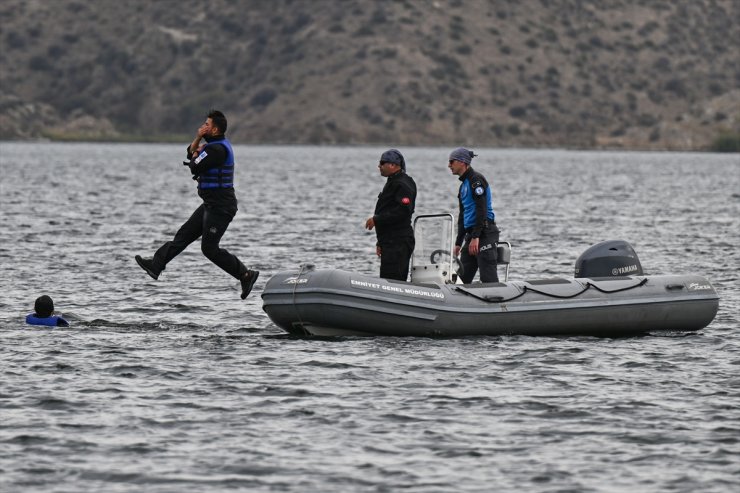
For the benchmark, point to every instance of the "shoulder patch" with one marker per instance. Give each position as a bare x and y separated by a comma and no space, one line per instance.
479,190
201,157
405,201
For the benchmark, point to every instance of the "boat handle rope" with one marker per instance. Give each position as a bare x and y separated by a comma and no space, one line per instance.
500,299
295,286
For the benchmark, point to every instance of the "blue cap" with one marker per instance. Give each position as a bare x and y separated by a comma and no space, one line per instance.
393,156
463,155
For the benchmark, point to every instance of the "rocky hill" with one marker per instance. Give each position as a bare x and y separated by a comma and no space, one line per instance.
640,74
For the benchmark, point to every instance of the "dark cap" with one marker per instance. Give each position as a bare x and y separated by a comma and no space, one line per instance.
44,306
463,155
393,156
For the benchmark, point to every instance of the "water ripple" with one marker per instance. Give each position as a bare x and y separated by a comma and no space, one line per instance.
179,385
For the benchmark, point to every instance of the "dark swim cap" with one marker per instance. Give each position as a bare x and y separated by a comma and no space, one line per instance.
44,306
393,156
463,155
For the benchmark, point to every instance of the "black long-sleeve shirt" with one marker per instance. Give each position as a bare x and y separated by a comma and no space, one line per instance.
395,207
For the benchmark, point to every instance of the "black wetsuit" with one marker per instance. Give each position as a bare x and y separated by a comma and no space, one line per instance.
209,221
392,218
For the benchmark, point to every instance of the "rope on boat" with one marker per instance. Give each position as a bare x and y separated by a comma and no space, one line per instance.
295,305
500,299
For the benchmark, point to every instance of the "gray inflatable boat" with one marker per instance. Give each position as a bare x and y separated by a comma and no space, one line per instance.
609,297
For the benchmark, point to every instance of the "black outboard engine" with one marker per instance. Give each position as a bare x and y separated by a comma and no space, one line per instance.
609,259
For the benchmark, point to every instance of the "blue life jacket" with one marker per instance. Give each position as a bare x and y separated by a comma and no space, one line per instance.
222,176
53,321
475,185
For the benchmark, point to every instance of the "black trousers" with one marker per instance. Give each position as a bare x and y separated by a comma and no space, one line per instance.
394,258
209,224
486,258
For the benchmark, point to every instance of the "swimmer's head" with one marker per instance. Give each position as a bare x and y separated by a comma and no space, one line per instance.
44,306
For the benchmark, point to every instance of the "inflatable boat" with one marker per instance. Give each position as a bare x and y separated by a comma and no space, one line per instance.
609,296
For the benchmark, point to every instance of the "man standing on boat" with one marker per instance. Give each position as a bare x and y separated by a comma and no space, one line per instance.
212,165
392,218
477,233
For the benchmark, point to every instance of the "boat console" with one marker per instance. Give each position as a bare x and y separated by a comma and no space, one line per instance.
434,260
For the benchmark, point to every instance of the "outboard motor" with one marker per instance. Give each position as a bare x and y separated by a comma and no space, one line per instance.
609,259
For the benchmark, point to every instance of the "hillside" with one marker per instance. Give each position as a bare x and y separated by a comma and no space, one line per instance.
640,74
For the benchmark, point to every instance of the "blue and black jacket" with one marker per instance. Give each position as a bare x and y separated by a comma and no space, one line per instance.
213,168
476,205
52,321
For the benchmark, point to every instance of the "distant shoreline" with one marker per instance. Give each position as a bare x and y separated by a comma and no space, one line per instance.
725,144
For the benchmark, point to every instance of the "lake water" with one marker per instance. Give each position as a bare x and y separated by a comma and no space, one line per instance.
179,385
